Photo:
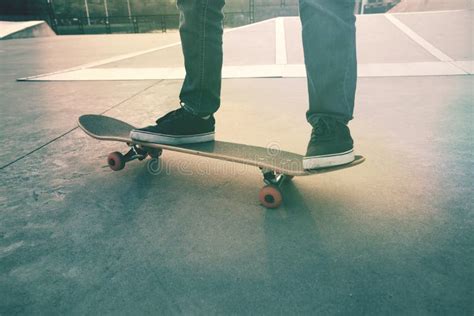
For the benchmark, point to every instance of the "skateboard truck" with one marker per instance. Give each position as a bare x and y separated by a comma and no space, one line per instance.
116,160
270,195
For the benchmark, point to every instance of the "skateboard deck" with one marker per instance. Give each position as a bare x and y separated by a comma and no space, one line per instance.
276,165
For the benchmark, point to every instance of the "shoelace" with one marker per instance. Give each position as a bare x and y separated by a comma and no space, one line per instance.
321,129
172,115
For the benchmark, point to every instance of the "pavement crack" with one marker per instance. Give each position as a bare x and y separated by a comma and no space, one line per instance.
76,127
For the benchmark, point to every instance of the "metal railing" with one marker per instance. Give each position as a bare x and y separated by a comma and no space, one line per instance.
66,25
257,10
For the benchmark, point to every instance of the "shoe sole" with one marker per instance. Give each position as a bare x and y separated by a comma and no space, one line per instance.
325,161
171,139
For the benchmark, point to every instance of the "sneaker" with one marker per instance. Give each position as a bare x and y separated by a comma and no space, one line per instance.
330,145
176,128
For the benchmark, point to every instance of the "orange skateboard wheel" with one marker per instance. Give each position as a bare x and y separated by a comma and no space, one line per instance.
270,196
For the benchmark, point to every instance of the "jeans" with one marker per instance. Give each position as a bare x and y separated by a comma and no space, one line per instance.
328,32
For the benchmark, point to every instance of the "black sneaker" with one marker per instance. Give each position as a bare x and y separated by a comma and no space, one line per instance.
177,127
330,145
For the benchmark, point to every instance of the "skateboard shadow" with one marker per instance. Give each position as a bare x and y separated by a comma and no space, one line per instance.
297,251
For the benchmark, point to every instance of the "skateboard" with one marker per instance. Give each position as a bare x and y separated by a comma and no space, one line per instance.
277,166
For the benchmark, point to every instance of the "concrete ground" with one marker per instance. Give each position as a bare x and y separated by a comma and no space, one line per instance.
392,236
432,5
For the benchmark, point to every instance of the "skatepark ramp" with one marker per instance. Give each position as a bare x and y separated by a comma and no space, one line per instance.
13,30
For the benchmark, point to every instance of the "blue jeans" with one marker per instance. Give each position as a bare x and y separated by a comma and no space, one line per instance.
328,29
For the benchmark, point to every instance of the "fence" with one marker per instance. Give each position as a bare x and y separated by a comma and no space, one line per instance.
151,23
257,10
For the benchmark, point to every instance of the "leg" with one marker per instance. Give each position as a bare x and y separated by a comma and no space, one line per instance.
201,31
330,57
331,67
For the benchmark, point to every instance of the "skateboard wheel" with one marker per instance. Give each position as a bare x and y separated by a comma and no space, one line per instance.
155,153
116,161
270,196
